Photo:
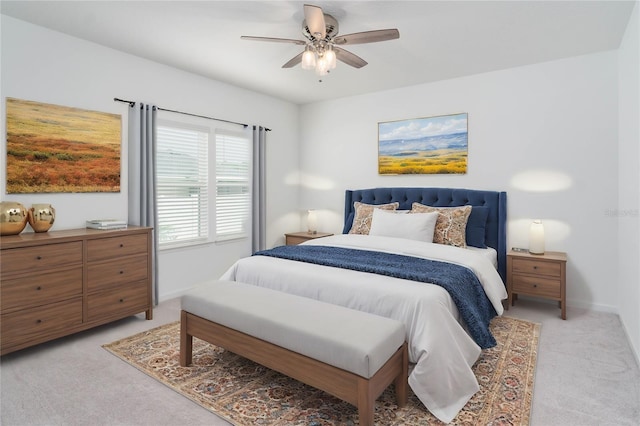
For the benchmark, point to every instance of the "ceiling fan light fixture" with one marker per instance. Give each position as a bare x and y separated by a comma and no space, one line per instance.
330,56
308,59
321,51
322,66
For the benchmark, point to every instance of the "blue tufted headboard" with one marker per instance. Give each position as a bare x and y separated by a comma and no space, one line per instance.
496,235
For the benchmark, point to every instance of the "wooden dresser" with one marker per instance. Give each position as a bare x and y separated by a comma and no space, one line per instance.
538,275
57,283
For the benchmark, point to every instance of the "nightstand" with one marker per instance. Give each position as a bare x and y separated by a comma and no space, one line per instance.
296,238
540,275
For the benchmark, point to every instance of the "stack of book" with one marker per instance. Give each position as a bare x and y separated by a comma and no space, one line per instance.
106,224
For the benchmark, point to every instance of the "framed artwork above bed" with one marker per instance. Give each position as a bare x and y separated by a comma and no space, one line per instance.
433,145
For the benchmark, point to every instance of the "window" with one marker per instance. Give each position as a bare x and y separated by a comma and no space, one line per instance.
233,195
182,184
203,183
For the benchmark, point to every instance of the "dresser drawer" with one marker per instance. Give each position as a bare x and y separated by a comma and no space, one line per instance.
536,286
36,325
32,259
115,272
108,248
120,301
538,267
34,290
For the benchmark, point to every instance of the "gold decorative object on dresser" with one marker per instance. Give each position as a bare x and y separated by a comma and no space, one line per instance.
61,282
540,275
296,238
13,217
41,217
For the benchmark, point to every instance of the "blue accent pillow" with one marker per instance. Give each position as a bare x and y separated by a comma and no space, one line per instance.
476,227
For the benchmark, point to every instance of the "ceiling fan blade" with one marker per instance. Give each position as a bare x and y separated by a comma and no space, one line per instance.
294,61
349,58
367,37
315,21
277,40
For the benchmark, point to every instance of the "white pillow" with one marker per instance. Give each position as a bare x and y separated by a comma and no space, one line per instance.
415,226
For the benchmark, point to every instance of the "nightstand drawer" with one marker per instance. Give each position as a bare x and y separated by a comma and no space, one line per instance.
536,286
538,267
296,238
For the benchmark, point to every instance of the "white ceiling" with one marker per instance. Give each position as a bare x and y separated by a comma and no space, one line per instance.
438,39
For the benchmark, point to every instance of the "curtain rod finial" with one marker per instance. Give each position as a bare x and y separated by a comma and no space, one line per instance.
131,103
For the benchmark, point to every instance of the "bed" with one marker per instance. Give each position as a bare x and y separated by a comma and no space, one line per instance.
444,333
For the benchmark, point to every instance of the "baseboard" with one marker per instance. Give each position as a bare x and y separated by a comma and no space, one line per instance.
576,304
593,306
634,350
173,295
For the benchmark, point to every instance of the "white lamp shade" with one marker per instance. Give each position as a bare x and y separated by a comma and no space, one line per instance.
308,60
312,221
322,66
536,237
330,55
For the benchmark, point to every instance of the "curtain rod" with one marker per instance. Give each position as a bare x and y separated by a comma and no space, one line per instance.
132,103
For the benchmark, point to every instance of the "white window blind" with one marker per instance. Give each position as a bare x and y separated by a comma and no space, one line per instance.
182,184
233,195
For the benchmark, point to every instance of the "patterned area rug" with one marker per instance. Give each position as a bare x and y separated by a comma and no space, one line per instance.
245,393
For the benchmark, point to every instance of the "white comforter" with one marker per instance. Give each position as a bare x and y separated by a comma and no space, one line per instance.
439,346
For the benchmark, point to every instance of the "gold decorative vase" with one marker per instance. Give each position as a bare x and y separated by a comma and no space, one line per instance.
41,217
13,218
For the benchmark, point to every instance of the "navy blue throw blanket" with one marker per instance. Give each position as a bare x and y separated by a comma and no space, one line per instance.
462,284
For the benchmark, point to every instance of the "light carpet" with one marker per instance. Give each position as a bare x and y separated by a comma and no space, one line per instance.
245,393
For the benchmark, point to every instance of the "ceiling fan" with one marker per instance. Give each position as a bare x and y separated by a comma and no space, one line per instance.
321,47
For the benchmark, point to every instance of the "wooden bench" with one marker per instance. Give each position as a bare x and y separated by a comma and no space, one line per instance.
350,354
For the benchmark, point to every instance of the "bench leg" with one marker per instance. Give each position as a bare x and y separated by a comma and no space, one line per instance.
366,403
186,342
401,382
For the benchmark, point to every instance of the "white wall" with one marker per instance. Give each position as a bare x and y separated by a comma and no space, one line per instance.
628,218
47,66
547,134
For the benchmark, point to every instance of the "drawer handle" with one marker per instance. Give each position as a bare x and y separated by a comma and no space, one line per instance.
39,321
535,267
121,272
121,300
38,257
39,288
121,245
535,286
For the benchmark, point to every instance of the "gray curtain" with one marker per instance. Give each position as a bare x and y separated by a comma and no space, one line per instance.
259,213
142,177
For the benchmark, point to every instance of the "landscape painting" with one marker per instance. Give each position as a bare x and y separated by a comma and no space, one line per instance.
52,148
434,145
